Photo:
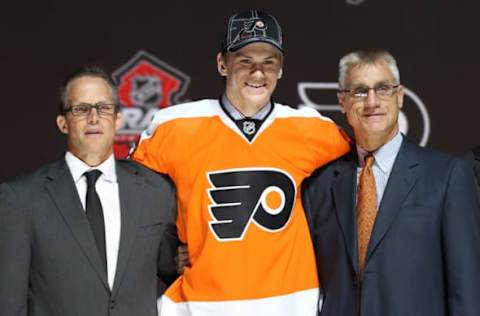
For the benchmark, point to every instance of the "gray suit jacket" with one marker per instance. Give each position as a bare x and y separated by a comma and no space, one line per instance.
49,263
423,258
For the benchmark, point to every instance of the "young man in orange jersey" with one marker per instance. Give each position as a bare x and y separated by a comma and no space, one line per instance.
238,162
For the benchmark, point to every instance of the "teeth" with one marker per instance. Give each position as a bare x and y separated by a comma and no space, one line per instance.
253,85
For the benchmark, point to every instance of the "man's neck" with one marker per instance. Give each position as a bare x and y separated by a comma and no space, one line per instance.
237,115
248,110
373,142
92,160
245,108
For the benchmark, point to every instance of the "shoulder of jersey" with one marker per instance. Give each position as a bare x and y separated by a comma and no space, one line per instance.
202,108
284,111
211,107
195,109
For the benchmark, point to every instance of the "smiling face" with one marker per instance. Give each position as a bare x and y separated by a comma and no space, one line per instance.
374,120
90,137
251,75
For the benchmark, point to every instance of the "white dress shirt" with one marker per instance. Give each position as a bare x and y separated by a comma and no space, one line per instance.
107,190
384,159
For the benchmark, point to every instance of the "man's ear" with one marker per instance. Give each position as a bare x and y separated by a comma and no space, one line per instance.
62,124
341,101
280,73
400,94
118,120
221,66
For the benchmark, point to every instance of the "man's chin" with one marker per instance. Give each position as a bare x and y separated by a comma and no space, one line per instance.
379,132
96,146
258,100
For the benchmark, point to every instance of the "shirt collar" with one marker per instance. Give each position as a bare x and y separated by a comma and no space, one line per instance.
237,115
385,155
78,167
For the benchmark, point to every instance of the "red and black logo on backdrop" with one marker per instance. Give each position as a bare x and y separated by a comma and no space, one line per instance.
145,85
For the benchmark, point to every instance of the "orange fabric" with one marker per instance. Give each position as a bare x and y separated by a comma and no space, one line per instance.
262,263
366,209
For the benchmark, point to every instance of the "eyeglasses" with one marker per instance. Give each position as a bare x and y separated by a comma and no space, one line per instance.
361,93
84,109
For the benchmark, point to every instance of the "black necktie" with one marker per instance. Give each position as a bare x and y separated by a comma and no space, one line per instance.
95,214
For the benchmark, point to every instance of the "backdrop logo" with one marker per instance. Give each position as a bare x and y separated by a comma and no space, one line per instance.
145,85
414,120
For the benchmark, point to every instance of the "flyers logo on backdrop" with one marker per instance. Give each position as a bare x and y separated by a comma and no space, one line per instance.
263,196
145,85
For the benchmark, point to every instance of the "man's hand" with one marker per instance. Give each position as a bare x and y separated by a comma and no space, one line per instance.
181,258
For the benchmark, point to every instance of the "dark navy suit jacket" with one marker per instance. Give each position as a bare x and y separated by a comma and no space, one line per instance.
424,254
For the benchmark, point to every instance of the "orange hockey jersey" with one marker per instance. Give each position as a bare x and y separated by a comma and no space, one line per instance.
239,206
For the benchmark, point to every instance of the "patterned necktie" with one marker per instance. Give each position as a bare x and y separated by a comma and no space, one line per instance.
95,214
366,209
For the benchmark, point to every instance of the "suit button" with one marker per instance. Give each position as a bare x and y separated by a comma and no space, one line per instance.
112,304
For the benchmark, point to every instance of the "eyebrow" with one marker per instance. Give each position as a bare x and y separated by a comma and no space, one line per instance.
379,83
90,103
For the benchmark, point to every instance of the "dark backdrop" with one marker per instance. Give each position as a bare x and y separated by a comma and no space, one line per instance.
435,43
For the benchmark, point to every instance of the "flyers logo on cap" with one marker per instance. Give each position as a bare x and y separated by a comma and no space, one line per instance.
263,196
249,27
145,85
251,30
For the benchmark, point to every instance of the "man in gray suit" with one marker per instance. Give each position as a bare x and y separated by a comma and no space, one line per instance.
396,227
88,234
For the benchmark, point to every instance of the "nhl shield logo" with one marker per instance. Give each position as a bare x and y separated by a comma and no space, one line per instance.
249,127
145,85
146,91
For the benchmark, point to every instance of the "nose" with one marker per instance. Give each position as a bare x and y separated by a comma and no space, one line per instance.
92,117
257,69
372,99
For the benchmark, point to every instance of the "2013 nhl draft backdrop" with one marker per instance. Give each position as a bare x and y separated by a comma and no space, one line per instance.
162,53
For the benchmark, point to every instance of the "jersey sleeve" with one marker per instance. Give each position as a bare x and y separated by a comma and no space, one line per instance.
152,149
325,138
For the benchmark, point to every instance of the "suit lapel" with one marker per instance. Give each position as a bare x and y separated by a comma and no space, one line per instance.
131,191
63,192
343,191
401,181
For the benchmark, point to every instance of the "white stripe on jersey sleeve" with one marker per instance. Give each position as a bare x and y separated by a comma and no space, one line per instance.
304,111
202,108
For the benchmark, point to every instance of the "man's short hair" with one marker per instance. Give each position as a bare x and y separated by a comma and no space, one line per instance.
88,71
361,57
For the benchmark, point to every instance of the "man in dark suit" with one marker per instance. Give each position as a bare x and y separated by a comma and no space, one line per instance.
86,235
396,227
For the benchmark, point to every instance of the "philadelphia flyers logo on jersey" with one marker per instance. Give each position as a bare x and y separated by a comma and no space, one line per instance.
264,196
